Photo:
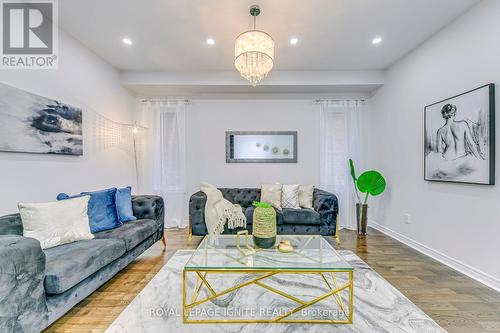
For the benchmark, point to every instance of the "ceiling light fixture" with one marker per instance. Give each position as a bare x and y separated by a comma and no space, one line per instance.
294,41
210,41
376,40
254,52
127,41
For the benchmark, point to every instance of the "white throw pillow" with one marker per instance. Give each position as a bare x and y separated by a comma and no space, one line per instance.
306,196
271,193
290,196
56,223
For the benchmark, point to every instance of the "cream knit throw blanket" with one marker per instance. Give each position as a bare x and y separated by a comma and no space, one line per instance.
218,211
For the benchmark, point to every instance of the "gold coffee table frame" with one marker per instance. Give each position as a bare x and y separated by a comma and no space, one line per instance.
328,276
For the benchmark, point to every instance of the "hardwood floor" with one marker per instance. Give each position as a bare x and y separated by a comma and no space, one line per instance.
456,302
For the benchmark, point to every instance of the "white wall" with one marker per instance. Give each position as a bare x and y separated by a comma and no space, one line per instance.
461,222
208,121
85,81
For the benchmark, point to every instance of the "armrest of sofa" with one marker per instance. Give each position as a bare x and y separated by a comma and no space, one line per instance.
22,293
326,204
197,204
149,207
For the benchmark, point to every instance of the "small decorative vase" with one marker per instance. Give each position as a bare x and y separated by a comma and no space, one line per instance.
362,218
264,225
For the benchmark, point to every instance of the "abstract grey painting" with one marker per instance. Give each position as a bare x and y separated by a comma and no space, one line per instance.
34,124
460,138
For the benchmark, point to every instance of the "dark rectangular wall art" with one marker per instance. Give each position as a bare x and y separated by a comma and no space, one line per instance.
459,138
261,147
34,124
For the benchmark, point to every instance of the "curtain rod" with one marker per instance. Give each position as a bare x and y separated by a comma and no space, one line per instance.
159,99
340,100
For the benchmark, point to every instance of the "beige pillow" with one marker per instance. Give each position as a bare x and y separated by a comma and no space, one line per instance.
306,196
290,196
271,193
56,223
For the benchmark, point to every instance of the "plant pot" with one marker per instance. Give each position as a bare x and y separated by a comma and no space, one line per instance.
362,218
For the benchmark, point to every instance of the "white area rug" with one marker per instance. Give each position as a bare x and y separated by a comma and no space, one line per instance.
378,306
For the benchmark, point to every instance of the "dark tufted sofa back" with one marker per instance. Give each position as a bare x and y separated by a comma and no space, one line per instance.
241,196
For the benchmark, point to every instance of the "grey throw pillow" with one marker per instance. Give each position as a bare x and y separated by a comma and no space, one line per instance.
306,196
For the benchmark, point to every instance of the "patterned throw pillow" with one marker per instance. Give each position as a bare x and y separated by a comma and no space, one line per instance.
290,196
271,193
306,196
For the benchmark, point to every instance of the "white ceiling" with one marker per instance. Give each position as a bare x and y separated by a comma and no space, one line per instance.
170,35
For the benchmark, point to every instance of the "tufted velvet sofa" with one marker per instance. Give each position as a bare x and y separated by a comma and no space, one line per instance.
321,220
38,286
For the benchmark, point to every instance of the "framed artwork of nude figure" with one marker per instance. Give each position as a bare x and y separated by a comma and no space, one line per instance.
459,138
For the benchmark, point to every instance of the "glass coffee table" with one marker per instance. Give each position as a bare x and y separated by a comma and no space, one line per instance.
229,280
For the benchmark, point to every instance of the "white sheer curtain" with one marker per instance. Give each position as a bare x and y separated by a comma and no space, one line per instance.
340,139
164,170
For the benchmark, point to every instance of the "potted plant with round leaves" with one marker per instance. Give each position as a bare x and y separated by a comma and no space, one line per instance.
370,183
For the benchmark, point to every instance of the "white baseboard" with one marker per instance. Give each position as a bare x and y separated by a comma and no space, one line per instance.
463,268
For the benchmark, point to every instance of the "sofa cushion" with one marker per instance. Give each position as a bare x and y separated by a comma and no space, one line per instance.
132,233
123,200
249,215
56,223
271,193
300,216
69,264
102,209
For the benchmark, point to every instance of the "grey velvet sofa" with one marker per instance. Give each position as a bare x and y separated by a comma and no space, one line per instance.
37,287
321,220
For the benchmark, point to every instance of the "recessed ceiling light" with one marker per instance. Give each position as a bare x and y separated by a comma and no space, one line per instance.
210,41
376,40
294,41
127,41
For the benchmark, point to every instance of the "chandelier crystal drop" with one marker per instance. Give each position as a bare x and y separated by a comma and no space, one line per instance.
254,52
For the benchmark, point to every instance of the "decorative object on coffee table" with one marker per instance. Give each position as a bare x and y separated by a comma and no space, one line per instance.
246,249
264,225
285,246
369,182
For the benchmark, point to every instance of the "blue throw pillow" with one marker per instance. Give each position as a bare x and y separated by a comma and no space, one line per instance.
124,204
102,209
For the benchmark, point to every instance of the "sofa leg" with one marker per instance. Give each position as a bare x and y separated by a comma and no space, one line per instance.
336,237
190,229
164,241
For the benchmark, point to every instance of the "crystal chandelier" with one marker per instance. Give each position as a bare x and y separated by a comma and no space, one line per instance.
254,52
